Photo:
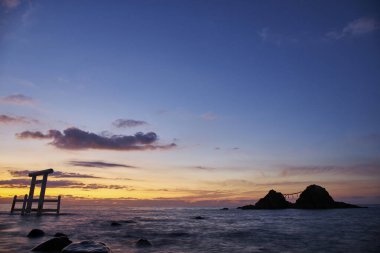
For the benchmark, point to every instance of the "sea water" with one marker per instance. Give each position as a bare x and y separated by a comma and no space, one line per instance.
177,230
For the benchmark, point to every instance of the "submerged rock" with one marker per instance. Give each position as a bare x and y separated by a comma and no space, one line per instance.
224,209
36,233
199,218
143,243
317,197
115,224
58,234
54,244
87,247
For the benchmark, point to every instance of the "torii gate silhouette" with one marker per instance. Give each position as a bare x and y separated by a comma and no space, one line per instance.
27,206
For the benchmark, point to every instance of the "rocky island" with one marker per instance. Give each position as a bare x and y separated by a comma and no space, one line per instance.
313,197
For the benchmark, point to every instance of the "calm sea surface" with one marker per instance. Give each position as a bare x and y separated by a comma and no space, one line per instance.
176,230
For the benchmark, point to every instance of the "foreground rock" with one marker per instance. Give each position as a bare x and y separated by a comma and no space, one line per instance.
36,233
317,197
87,247
273,200
143,243
53,245
58,234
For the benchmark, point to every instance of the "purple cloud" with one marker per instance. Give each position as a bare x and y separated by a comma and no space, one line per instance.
98,164
6,119
77,139
17,99
56,174
124,123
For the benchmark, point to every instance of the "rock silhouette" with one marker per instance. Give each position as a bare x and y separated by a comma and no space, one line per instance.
317,197
36,233
313,197
53,245
143,243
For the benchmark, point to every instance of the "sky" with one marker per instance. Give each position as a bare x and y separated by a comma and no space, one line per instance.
159,102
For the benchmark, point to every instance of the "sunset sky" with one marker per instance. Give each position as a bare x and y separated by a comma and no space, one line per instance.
201,102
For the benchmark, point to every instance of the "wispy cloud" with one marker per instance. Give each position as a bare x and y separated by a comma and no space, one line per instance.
98,164
125,123
17,99
10,4
56,174
22,183
7,119
275,38
360,169
355,28
209,116
201,168
77,139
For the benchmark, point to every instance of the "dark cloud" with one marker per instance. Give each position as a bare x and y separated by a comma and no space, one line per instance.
6,119
22,183
74,138
201,168
98,164
123,123
56,174
17,99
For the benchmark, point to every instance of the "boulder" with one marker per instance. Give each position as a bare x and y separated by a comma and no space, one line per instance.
58,234
115,224
317,197
273,200
143,243
247,207
53,245
87,247
36,233
224,209
199,218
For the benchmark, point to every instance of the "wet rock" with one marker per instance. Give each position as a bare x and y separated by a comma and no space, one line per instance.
199,218
317,197
36,233
143,243
247,207
224,209
273,200
58,234
53,245
87,247
115,224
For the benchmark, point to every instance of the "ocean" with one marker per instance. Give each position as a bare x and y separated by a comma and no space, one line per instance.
177,230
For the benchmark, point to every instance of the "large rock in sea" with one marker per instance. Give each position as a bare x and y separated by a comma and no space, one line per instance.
87,247
53,245
273,200
317,197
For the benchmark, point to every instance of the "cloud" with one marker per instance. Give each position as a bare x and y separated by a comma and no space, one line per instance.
17,99
10,4
124,123
6,119
359,169
201,168
209,116
277,39
355,28
77,139
56,174
98,164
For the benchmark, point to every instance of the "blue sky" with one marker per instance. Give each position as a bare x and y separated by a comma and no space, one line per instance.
240,87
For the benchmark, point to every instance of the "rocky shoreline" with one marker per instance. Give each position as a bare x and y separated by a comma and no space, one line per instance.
313,197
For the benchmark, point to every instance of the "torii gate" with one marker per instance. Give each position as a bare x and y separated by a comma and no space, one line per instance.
28,201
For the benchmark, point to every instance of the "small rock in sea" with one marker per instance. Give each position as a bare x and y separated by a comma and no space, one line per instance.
199,218
53,245
142,243
224,209
36,233
58,234
115,224
87,247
